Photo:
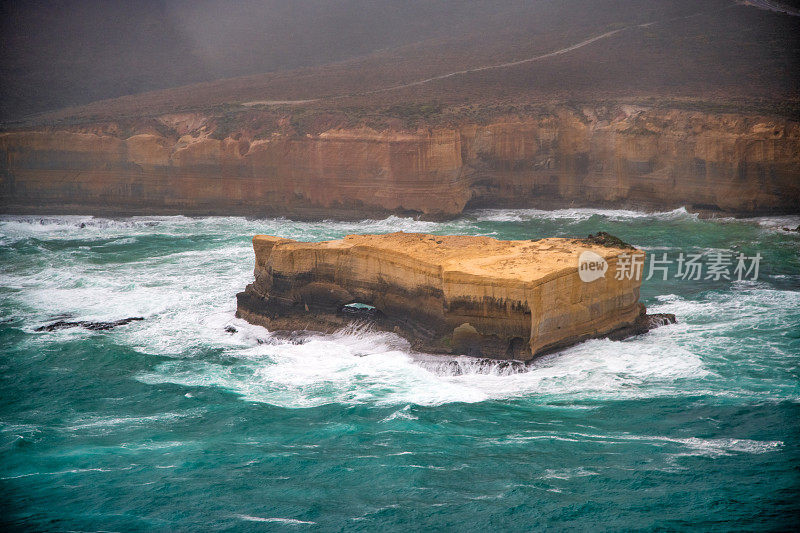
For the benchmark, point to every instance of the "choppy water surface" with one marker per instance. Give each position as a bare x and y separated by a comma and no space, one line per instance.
174,423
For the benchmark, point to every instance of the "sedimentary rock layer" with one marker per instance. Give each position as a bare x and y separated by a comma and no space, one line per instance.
622,157
446,294
337,173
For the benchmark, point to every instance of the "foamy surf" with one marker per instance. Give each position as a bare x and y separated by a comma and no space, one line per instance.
191,401
361,366
186,297
578,214
276,520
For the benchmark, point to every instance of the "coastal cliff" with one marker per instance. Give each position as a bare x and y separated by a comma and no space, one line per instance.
614,156
447,294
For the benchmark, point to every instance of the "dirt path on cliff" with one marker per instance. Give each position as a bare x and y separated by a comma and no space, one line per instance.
485,68
554,53
775,7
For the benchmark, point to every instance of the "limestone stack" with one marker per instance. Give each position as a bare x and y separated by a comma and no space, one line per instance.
446,294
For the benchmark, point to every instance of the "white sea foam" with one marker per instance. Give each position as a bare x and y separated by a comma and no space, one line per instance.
63,472
577,214
402,414
187,299
286,521
780,222
566,473
69,227
772,223
697,446
359,366
679,446
363,366
105,422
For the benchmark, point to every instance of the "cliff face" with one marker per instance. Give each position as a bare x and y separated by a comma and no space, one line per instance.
631,157
446,294
334,173
735,164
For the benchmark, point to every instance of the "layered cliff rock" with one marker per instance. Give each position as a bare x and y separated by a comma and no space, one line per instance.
611,156
446,294
337,173
637,158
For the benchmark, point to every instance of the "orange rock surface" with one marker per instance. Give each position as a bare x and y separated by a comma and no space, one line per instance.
447,294
563,157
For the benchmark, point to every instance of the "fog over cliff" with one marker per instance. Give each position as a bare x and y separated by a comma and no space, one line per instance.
70,52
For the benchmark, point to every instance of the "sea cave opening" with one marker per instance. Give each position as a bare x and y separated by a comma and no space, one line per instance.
360,310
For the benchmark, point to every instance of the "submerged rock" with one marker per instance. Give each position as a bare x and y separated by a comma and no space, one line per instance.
606,239
94,326
463,295
464,365
643,324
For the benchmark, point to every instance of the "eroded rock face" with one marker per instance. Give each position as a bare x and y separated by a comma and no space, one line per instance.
640,158
338,173
447,294
627,157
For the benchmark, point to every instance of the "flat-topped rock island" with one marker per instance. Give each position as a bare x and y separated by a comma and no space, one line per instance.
460,295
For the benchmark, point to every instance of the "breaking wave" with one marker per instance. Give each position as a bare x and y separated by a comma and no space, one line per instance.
578,214
184,288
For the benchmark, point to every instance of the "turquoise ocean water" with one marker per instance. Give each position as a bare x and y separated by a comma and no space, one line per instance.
172,423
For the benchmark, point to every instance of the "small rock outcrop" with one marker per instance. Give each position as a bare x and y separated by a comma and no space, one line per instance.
447,294
93,326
